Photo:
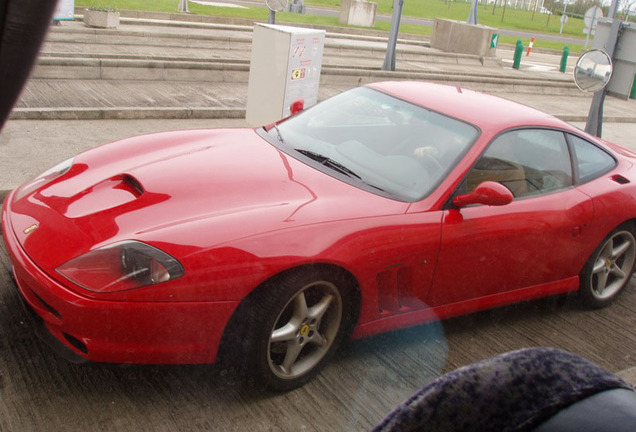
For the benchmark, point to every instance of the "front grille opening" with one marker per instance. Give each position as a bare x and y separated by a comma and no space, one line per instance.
76,343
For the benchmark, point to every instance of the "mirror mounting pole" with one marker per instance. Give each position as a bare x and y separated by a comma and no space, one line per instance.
594,125
275,6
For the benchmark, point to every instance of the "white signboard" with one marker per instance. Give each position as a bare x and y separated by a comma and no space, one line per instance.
591,19
591,16
64,10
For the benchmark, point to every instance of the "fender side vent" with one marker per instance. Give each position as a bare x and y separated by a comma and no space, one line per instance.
620,179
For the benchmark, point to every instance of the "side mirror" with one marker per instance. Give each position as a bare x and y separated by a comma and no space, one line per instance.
486,193
297,106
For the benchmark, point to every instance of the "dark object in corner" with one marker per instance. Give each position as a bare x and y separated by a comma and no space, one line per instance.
536,389
23,25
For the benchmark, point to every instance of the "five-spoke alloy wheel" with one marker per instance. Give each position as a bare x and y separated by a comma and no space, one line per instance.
305,330
299,322
609,269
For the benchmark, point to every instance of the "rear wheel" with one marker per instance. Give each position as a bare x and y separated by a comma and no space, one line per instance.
298,323
609,269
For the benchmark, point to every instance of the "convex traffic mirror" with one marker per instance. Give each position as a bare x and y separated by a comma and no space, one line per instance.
276,5
593,71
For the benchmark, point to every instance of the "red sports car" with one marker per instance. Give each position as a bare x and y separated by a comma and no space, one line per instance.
386,206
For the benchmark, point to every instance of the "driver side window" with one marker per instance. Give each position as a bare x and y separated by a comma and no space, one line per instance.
529,162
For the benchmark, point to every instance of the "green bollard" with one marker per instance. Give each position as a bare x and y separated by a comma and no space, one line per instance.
564,58
518,53
632,94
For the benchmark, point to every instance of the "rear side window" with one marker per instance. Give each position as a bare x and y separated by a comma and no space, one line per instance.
590,159
529,162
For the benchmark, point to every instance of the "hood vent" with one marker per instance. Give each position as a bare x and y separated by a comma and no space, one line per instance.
134,185
105,195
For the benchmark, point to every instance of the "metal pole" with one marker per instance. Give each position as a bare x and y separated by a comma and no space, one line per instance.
183,6
612,9
272,17
589,32
472,16
594,125
389,59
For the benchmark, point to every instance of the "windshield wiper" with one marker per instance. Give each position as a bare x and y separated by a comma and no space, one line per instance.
328,162
278,134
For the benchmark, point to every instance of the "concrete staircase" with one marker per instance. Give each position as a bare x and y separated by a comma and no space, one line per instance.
161,67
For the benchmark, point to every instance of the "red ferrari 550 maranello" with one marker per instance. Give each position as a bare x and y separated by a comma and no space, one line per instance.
386,206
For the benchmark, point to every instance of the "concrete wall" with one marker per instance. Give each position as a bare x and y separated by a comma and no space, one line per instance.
459,37
359,13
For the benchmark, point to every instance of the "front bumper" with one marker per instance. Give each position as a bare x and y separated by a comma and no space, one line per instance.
81,328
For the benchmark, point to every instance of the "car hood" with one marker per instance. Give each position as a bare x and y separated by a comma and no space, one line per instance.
205,187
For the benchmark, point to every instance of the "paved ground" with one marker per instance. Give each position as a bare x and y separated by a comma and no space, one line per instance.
358,388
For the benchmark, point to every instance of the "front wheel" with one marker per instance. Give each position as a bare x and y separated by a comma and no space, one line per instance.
298,325
609,269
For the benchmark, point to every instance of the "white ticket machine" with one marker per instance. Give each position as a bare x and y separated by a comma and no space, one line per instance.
285,67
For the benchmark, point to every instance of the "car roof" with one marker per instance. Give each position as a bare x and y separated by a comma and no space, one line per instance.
481,109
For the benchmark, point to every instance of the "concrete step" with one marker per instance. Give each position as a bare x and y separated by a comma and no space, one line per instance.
146,49
237,71
166,69
144,99
217,39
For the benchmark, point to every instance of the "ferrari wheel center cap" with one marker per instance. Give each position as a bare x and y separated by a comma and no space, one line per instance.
304,330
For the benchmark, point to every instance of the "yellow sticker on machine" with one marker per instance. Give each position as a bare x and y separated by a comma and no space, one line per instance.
298,74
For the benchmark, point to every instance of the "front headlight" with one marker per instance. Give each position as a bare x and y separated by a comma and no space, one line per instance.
120,267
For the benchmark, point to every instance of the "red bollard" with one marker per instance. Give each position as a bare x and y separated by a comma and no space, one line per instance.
530,46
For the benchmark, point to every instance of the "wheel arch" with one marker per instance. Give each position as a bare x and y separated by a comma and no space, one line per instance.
585,278
629,223
236,328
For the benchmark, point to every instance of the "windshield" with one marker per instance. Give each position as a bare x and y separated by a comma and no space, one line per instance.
377,142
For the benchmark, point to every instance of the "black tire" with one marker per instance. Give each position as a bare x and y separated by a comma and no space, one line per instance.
296,325
609,269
